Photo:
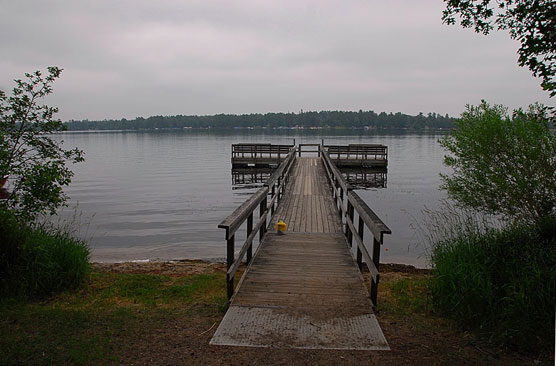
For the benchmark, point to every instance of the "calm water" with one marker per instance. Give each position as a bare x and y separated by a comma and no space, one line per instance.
160,195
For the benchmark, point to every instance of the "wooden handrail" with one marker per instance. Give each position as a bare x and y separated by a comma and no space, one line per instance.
336,175
367,217
318,150
278,172
358,151
236,219
371,219
274,186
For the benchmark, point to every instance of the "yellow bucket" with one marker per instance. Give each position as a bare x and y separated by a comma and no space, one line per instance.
281,227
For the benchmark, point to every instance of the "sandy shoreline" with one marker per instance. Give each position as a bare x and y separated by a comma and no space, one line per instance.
186,267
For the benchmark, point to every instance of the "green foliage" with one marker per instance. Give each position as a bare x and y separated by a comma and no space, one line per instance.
531,22
501,164
330,119
501,283
411,296
33,162
153,290
36,260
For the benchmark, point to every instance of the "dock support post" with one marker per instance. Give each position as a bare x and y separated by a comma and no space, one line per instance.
273,191
249,230
351,214
360,230
341,202
229,262
376,261
279,189
262,212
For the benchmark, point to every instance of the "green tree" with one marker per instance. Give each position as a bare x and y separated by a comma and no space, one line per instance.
502,164
31,160
531,22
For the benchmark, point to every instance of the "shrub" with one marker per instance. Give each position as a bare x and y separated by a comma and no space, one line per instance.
38,260
502,164
500,283
31,160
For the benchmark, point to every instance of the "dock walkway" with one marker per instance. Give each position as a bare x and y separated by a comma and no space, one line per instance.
303,289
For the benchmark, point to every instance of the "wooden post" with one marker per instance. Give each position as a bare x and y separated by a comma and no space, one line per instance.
262,209
360,231
230,286
279,190
341,201
229,262
272,196
351,215
376,261
249,230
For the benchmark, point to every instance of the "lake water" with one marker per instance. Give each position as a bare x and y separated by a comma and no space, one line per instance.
161,194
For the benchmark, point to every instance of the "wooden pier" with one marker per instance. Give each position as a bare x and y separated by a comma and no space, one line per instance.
349,156
303,289
259,155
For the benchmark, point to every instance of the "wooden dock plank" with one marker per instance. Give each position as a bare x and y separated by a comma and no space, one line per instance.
307,205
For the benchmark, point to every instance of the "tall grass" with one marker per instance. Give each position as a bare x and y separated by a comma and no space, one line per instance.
500,282
38,260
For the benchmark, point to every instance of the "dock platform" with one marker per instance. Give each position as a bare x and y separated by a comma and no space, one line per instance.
303,289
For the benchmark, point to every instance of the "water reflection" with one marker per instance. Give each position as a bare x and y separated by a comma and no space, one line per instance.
250,177
366,178
358,178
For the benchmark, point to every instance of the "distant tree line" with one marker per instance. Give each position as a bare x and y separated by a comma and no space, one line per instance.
323,119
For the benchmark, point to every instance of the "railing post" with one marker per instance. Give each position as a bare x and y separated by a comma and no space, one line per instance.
262,209
249,230
360,231
376,261
349,234
229,262
273,191
341,197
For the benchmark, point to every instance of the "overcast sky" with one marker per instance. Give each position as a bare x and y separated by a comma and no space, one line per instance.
124,59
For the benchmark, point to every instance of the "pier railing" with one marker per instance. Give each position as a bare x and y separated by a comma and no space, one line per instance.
358,151
342,193
316,148
259,154
274,186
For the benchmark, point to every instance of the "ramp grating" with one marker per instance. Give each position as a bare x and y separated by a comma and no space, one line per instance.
278,328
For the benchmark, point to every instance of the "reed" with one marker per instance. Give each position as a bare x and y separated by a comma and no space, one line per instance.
37,260
499,282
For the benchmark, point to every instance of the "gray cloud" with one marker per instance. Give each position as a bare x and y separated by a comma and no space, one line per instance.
141,58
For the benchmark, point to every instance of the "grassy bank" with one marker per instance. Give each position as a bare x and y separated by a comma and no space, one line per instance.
500,283
92,324
37,260
159,315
